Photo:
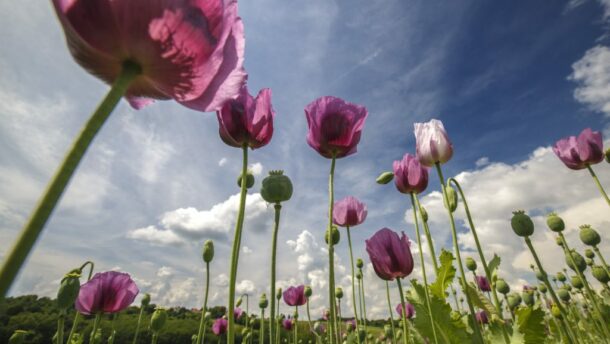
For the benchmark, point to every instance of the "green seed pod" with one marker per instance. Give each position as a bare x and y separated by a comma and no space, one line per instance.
514,300
452,198
539,275
502,287
68,291
555,311
359,263
576,282
542,288
563,294
339,293
589,253
208,251
581,265
558,241
263,302
385,177
471,264
158,319
18,337
528,297
522,224
336,236
249,180
561,277
276,187
308,292
278,295
359,275
555,223
589,236
145,300
600,274
589,261
424,213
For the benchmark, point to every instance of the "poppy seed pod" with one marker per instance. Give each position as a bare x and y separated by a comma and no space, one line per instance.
555,223
522,224
249,180
589,261
563,294
145,300
589,236
452,198
68,291
276,187
471,264
158,319
18,337
600,274
539,275
581,265
359,275
336,235
589,253
208,251
308,291
502,287
542,288
528,297
339,293
385,177
514,300
359,263
577,282
263,302
558,241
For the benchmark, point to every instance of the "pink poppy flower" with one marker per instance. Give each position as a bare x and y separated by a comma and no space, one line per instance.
295,296
432,143
106,292
410,175
390,254
578,152
349,212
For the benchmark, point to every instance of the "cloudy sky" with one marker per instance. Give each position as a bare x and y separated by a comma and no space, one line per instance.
508,79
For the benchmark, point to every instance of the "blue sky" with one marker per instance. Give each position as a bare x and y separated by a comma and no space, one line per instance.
507,78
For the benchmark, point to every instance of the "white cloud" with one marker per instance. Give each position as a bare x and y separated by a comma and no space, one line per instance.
246,250
592,74
222,162
155,236
256,168
165,271
245,287
482,162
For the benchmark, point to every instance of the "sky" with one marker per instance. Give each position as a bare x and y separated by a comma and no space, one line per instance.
507,78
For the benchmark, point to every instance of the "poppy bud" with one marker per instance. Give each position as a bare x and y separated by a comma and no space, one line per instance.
145,300
276,187
522,224
278,295
339,293
451,198
158,319
589,236
542,288
528,297
336,235
589,261
208,251
263,302
68,291
514,300
556,311
576,282
600,274
563,294
308,291
555,223
249,180
18,337
359,263
471,264
607,155
385,177
502,287
558,241
539,275
359,275
581,265
238,303
589,253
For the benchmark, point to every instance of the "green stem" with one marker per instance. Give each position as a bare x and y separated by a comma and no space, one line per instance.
96,324
599,185
277,324
296,323
428,236
311,329
201,333
601,258
423,267
135,337
387,292
276,226
331,253
512,315
32,229
155,336
236,245
351,259
405,327
475,323
77,316
261,332
60,326
364,320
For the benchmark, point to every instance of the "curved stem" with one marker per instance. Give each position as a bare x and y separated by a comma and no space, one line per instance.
599,185
405,327
276,226
423,267
201,333
77,316
387,291
331,253
32,229
351,259
236,245
475,323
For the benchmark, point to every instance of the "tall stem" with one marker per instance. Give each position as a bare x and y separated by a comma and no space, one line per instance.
331,252
387,292
351,259
405,326
428,236
135,337
599,185
482,257
423,267
296,323
96,324
236,245
261,331
277,324
475,323
77,316
201,333
363,305
276,226
60,326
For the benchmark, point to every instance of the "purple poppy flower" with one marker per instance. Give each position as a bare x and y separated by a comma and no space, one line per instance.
390,254
247,120
483,283
335,126
106,292
349,212
190,51
432,143
287,324
409,310
350,324
410,175
237,313
482,317
295,296
220,326
578,152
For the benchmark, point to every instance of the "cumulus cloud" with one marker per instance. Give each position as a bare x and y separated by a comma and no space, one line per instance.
245,287
592,74
222,162
256,168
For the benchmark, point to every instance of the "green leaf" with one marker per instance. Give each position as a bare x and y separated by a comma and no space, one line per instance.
446,273
493,265
448,330
479,300
530,322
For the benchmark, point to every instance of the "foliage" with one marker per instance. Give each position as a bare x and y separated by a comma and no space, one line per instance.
446,274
